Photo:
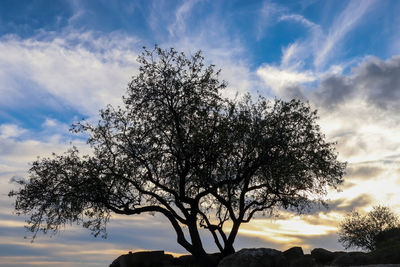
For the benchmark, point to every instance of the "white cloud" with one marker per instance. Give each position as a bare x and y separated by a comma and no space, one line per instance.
50,122
280,79
19,154
54,126
359,111
86,70
79,69
10,130
362,131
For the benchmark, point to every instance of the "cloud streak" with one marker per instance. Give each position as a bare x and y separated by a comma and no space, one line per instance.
80,70
178,27
343,24
321,44
268,13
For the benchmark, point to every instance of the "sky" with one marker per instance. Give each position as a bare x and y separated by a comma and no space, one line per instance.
61,61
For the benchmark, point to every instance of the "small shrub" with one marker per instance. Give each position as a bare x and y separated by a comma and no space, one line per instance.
357,230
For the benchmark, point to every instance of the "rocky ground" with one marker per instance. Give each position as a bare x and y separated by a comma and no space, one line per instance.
386,254
267,257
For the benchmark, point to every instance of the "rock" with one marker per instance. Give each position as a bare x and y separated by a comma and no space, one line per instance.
189,260
143,259
387,254
304,261
186,260
115,263
293,253
322,256
255,257
353,259
215,258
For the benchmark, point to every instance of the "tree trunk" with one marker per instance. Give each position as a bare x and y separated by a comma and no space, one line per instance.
198,251
203,259
228,250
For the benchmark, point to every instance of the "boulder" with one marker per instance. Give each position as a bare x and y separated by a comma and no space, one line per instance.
186,260
143,259
215,258
189,260
387,254
304,261
255,257
322,256
293,253
353,259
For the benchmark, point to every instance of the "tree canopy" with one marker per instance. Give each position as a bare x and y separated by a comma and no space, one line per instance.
358,230
178,148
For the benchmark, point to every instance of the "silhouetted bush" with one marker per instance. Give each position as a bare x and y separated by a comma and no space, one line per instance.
362,231
388,238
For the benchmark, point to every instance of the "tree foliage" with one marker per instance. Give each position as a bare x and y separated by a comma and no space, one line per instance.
178,148
357,230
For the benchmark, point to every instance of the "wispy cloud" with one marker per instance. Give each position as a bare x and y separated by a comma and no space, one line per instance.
268,14
288,53
226,53
286,80
394,44
182,12
296,53
79,69
320,44
342,25
302,20
78,11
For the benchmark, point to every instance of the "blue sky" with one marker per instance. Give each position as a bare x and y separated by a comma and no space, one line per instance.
61,61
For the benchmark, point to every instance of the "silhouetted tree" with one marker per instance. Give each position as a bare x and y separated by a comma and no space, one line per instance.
180,149
357,230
